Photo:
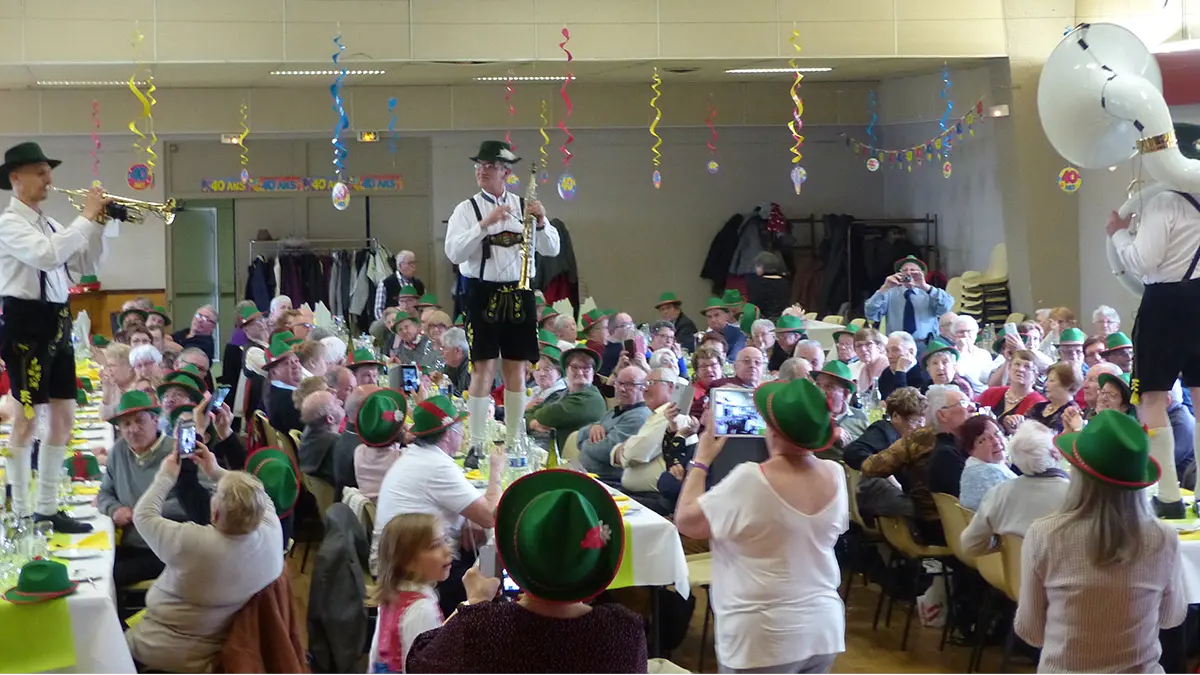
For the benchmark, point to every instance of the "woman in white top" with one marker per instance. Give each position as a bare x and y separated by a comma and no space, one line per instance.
1104,576
772,528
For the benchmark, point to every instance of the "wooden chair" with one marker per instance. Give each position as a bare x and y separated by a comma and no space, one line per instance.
899,536
700,576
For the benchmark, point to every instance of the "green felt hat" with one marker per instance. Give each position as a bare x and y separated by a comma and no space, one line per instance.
539,296
911,259
248,314
380,418
845,330
428,300
840,371
84,383
715,303
40,579
100,341
668,298
1122,381
936,347
132,402
460,320
545,337
363,357
81,397
139,312
409,292
1116,341
88,279
732,298
580,350
1072,336
82,466
560,535
797,410
587,321
282,344
173,417
161,311
750,314
188,378
495,151
789,324
21,155
434,414
279,475
547,313
553,353
404,316
1113,448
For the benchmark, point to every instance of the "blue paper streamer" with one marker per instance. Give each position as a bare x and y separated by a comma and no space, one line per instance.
392,125
871,132
946,96
335,90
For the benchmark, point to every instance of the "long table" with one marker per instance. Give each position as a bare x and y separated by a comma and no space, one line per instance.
653,550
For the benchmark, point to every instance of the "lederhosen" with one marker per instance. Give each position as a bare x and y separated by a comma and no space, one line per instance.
36,347
1167,321
501,319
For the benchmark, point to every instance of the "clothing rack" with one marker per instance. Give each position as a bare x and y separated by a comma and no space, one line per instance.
324,245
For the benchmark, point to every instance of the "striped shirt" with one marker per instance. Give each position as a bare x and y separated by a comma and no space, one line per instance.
1097,620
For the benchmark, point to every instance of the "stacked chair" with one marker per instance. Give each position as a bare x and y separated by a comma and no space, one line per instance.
985,295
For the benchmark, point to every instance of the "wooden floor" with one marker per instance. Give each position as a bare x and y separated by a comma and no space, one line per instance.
867,651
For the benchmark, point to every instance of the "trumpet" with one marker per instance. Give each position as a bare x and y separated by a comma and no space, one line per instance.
124,208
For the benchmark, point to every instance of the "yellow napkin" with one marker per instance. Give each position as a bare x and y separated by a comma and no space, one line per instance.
97,540
620,498
474,474
1190,536
1185,492
85,490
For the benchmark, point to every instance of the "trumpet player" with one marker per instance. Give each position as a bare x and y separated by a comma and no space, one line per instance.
37,256
485,238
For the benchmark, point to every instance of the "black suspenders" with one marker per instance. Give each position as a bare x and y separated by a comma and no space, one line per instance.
487,246
1195,258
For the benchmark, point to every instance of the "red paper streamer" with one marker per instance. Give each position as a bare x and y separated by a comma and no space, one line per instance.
95,139
562,124
508,92
712,115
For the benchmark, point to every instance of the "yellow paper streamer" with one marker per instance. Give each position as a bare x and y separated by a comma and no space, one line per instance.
545,136
243,135
657,117
147,100
795,123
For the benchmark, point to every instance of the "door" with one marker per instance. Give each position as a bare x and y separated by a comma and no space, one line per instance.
195,272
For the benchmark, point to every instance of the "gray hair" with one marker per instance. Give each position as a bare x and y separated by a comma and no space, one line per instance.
665,359
557,322
1042,314
903,338
143,353
317,408
794,369
1032,448
763,323
403,256
935,400
194,351
334,348
333,375
661,324
810,343
456,337
966,321
277,302
320,334
670,375
1105,312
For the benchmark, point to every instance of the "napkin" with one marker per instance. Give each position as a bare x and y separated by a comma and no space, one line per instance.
97,541
86,490
36,638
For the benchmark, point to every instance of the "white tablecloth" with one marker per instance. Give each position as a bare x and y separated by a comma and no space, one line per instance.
658,558
99,640
821,332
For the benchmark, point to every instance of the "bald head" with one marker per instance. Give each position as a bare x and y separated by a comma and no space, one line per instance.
630,383
321,410
1091,383
794,369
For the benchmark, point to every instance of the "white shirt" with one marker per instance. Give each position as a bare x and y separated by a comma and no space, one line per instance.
640,451
31,242
464,238
775,576
1166,241
423,480
421,616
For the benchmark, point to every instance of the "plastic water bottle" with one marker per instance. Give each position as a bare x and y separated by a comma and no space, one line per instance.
874,403
518,461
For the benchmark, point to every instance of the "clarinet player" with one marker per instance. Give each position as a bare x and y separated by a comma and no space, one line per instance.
37,256
485,239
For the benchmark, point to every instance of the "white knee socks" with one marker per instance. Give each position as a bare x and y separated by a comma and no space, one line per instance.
18,473
477,420
514,415
1162,449
50,471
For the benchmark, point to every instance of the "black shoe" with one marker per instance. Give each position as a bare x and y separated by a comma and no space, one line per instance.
474,456
64,523
1169,510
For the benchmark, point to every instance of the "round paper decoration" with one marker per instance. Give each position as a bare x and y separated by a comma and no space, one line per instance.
567,187
245,176
799,175
513,182
139,177
713,167
656,178
946,169
872,164
340,196
1069,179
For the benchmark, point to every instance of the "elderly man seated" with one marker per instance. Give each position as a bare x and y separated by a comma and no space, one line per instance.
365,367
811,351
322,417
620,328
974,362
283,369
720,320
662,336
132,466
903,368
182,390
348,441
1118,350
456,352
200,333
641,457
794,369
1089,394
835,380
411,346
340,380
748,370
596,442
789,331
579,404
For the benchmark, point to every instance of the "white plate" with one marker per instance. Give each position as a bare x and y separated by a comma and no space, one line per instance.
84,512
81,499
77,553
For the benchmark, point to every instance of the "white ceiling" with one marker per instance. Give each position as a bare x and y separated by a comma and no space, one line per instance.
199,75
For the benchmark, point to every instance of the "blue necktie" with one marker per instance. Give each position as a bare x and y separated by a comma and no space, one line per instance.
910,313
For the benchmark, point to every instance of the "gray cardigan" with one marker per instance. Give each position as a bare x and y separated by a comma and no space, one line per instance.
619,424
127,479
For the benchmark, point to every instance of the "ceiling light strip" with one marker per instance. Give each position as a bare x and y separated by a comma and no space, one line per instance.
768,71
325,73
526,78
85,83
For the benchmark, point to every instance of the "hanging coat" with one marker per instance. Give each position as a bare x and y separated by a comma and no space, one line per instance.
720,254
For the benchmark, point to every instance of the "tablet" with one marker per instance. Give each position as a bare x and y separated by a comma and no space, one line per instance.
734,413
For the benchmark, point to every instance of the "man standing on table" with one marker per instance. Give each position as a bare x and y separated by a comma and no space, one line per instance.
37,255
484,238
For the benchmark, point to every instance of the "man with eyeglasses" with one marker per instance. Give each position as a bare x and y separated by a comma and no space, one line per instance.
948,409
388,293
620,328
581,404
596,442
643,456
200,333
485,238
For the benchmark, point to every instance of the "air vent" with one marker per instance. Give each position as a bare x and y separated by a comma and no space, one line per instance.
680,71
465,63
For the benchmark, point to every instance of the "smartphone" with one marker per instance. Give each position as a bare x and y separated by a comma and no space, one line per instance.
219,396
410,378
734,413
187,438
489,561
1010,328
684,397
630,347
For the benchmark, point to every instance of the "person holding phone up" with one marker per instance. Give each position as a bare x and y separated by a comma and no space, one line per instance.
909,303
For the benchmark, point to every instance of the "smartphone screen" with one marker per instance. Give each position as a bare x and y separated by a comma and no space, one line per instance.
219,396
684,397
1010,329
734,413
410,378
630,347
187,438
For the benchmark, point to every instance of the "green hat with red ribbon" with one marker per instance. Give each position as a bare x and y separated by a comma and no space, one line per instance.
434,414
380,418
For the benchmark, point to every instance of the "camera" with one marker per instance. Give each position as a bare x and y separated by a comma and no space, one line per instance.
907,278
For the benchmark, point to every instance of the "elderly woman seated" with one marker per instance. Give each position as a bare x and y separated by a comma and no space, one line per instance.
982,441
146,361
1011,506
1062,381
116,377
211,570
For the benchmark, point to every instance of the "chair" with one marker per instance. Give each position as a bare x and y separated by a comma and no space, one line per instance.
954,519
320,489
368,521
991,568
955,288
859,323
899,536
570,449
1015,317
809,316
700,576
289,443
268,431
834,318
869,534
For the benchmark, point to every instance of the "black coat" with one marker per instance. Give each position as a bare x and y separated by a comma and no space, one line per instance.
391,290
720,254
338,624
685,332
281,411
877,438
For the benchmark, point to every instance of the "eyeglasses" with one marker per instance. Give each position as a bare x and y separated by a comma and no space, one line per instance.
631,385
205,317
485,166
667,382
576,368
963,403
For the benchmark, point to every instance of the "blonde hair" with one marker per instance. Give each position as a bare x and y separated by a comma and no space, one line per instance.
1115,520
402,540
310,352
436,317
117,352
906,402
240,502
309,385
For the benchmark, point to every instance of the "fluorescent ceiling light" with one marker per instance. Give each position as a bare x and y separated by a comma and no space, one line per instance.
330,73
765,71
526,78
1176,47
87,83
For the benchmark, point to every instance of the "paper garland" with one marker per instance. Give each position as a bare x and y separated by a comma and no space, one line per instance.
392,129
796,123
544,177
938,146
95,142
143,144
656,177
242,142
340,194
566,183
712,166
946,96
